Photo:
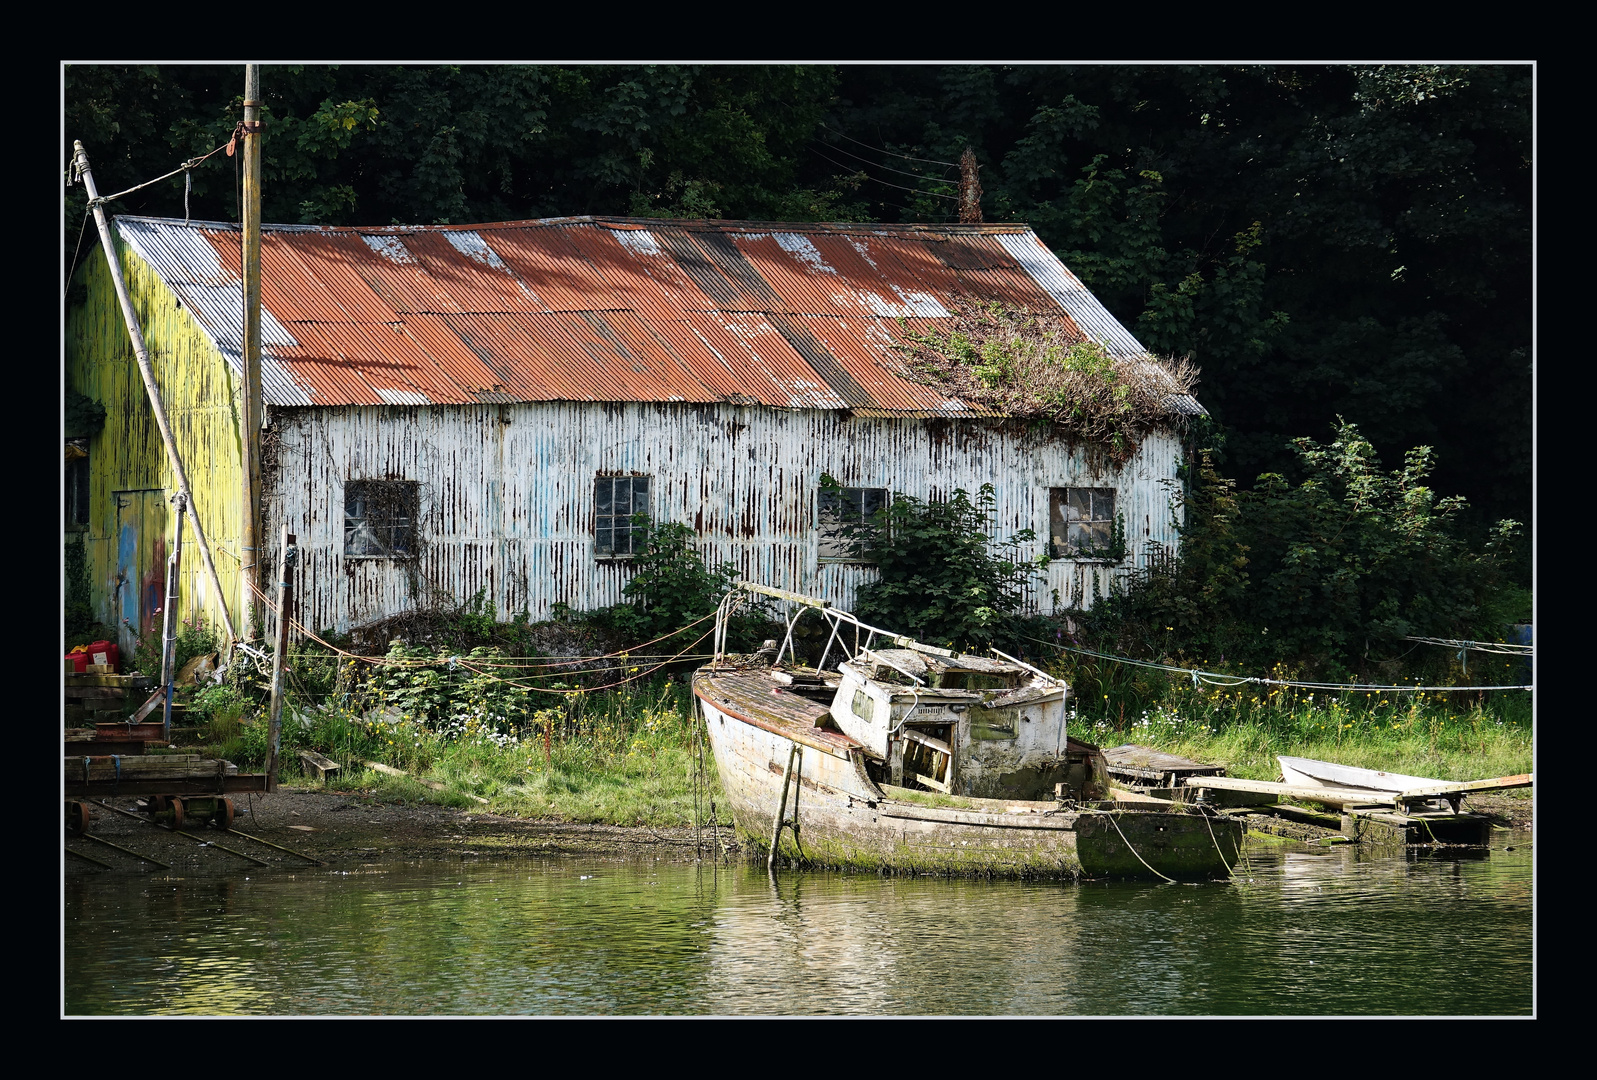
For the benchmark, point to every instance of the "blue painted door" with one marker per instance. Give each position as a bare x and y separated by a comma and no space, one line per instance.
141,525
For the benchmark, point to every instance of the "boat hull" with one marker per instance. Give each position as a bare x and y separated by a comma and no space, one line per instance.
847,821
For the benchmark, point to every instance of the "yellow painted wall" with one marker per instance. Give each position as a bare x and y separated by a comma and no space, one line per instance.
127,456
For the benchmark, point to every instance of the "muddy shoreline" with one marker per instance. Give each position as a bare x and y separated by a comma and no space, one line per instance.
348,831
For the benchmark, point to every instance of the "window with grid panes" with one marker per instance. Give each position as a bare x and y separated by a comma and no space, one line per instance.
617,499
844,515
380,518
1082,523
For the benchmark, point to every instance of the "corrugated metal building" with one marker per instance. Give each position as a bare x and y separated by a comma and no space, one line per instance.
456,408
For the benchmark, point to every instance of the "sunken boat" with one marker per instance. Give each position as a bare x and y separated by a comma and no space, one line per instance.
904,757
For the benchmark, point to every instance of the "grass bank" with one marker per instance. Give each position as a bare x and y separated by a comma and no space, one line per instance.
1455,735
627,756
621,757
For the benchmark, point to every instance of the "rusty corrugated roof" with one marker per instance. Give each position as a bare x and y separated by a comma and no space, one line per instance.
800,316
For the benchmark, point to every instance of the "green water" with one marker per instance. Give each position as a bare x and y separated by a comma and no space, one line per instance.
1299,933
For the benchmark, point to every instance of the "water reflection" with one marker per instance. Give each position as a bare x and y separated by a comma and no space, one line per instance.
1299,932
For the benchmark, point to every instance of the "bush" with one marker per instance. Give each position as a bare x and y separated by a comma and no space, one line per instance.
671,588
943,579
193,639
1328,576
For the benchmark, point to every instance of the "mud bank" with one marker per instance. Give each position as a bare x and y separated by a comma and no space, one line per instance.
347,831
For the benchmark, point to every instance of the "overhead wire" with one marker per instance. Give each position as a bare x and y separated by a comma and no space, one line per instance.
887,183
879,150
889,168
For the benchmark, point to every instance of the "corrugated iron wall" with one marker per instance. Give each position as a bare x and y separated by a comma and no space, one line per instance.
507,495
127,462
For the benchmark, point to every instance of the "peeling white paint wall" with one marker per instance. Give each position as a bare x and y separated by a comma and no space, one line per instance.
507,495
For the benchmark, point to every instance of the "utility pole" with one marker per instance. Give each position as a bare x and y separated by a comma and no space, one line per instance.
250,515
288,555
969,189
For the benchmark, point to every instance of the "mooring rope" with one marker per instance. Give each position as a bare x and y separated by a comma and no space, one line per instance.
1133,850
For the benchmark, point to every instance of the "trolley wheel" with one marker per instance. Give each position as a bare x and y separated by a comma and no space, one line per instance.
155,805
77,818
223,817
176,806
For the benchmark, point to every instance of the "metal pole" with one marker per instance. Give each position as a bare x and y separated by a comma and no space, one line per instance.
147,372
288,555
250,271
169,618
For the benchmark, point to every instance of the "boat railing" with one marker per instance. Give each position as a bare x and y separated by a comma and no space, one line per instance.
837,619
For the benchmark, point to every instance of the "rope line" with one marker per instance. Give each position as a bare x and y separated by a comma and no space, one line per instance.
1133,850
187,165
478,665
1505,647
1217,679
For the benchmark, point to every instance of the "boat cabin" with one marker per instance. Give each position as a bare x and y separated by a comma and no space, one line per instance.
963,725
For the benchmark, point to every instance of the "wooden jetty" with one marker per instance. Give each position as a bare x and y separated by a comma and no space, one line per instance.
1371,815
1365,805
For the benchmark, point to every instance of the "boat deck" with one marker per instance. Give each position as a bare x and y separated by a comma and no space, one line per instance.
781,710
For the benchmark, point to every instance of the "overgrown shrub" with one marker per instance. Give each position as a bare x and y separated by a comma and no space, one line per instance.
672,587
193,639
1040,366
942,577
1328,575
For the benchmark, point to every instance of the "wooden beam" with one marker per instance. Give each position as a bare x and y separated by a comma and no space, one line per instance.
1330,796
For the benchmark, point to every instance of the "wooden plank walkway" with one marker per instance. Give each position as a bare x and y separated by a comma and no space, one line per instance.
1145,765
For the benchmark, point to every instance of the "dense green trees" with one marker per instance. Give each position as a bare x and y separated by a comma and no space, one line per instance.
1319,240
1329,574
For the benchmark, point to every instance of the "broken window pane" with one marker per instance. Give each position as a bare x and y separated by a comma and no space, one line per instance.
1082,523
846,516
380,518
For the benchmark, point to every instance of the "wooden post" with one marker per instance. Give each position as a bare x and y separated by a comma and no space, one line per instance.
147,373
781,809
252,406
287,556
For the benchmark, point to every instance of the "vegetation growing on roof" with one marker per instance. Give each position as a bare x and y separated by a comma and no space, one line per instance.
1039,366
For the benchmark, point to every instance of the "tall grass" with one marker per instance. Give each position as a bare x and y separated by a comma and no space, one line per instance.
1449,735
626,756
623,757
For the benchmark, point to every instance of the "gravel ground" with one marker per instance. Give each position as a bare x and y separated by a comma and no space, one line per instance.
345,830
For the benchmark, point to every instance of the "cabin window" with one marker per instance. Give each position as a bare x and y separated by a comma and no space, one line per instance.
1082,524
617,532
380,518
845,515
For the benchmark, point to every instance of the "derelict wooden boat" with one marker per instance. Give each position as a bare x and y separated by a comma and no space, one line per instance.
917,759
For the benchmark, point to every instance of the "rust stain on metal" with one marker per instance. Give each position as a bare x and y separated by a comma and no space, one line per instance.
603,309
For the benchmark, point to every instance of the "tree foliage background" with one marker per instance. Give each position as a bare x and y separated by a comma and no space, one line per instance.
1321,241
